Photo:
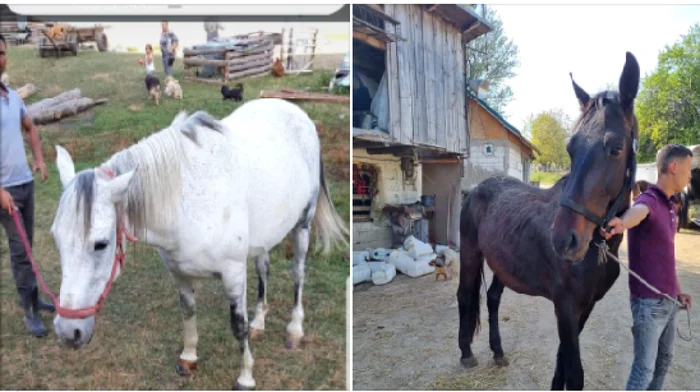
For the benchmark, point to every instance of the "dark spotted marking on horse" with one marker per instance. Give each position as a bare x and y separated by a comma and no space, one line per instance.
239,326
305,219
203,119
186,307
85,195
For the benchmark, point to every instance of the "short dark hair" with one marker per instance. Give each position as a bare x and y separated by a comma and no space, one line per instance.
2,38
669,153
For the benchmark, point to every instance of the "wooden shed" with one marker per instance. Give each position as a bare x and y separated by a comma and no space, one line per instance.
409,112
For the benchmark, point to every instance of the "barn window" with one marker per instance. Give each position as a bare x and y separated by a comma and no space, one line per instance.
364,188
489,150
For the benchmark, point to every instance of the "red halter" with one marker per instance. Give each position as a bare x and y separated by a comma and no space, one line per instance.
119,259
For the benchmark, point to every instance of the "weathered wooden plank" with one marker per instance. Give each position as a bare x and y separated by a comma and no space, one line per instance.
392,69
411,55
405,72
453,91
421,123
461,95
440,100
429,80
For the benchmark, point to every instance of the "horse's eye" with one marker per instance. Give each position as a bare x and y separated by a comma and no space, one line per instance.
616,151
101,245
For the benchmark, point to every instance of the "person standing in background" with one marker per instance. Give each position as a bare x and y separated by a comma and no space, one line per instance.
168,47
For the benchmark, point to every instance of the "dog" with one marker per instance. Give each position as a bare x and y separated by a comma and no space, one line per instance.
444,262
153,87
172,88
235,94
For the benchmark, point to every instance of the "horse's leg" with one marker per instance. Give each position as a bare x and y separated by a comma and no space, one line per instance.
472,264
493,301
235,282
301,246
569,357
558,380
257,327
188,358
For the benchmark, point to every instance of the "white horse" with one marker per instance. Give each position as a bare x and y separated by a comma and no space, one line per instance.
207,195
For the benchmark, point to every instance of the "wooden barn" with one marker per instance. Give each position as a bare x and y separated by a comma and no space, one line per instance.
497,147
410,132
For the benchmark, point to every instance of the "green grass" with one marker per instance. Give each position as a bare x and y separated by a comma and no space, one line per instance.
138,334
545,177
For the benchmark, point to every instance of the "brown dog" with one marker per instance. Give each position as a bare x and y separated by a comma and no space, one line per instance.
443,263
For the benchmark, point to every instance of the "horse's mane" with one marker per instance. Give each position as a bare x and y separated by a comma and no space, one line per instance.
154,192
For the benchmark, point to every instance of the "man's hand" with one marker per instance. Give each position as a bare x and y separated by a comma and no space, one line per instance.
40,165
617,226
6,202
685,301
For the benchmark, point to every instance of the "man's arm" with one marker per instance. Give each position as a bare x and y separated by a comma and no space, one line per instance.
35,144
629,219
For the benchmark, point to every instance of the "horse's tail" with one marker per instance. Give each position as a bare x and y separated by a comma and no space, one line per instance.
329,226
471,270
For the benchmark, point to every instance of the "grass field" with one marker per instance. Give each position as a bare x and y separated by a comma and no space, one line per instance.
138,334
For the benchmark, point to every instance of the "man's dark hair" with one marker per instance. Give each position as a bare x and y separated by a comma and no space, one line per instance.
2,39
669,153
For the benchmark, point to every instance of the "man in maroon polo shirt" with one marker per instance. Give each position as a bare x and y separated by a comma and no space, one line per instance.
652,223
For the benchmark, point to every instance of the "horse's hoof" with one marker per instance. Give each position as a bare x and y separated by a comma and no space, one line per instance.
186,368
255,333
238,387
469,362
501,361
292,342
243,384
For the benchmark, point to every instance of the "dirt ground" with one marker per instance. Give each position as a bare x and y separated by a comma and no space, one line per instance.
405,336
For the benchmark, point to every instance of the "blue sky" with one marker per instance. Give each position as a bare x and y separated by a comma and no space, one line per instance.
588,40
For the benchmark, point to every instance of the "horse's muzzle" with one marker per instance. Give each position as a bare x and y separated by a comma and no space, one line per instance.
74,333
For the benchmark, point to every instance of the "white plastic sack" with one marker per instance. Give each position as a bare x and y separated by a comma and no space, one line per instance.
380,254
417,248
408,265
360,257
382,272
361,273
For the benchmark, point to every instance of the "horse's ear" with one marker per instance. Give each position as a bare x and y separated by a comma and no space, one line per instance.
118,187
581,94
66,168
629,81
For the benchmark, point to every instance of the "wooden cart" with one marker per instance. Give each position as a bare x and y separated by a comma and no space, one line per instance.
59,39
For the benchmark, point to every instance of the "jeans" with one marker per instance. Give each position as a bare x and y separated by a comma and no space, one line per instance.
25,280
166,67
654,330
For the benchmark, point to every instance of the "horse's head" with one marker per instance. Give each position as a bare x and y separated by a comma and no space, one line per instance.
85,231
602,151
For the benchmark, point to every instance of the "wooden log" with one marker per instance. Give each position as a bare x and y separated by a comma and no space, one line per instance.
304,96
194,62
64,109
249,72
44,104
26,91
199,52
239,60
249,64
261,49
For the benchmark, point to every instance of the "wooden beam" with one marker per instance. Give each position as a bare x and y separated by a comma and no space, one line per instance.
396,151
371,41
432,7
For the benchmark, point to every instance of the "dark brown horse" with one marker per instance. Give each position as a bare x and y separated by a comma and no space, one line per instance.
542,242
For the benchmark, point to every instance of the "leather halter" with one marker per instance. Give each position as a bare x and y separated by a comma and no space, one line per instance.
612,210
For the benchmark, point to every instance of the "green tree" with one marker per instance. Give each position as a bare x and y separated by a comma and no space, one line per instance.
550,133
493,57
668,107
